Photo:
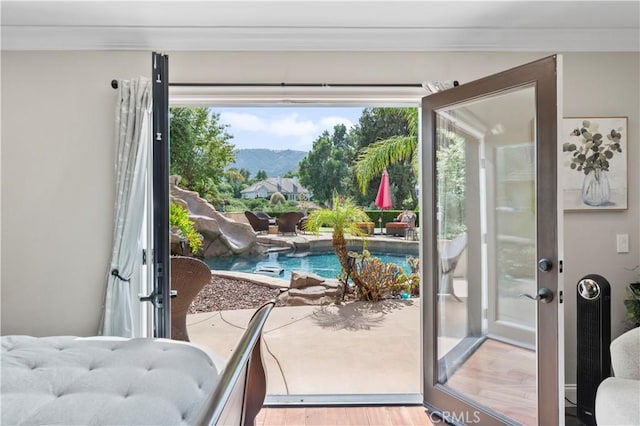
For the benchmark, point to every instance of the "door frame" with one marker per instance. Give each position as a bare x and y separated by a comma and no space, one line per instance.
160,250
544,75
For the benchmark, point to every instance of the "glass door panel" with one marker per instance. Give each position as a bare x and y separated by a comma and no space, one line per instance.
490,215
485,186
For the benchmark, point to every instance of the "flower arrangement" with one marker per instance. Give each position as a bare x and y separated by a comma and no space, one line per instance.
594,152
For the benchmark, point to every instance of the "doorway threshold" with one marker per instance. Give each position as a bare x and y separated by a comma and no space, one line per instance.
344,399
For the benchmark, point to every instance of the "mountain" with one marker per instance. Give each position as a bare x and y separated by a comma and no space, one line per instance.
275,163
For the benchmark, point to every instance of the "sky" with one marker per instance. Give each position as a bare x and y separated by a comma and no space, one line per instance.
282,128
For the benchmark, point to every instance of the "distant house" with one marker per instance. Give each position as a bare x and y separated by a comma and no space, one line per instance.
289,187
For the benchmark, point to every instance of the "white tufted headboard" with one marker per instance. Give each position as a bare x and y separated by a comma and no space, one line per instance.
85,381
96,381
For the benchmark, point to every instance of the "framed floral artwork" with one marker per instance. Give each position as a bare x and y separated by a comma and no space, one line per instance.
594,166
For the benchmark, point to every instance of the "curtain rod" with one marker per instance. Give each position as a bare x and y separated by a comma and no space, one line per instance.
114,84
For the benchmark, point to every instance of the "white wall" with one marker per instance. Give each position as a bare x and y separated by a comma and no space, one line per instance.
58,186
57,155
603,85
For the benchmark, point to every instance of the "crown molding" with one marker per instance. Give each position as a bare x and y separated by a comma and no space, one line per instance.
319,39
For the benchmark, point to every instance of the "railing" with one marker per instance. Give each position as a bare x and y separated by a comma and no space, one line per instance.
240,393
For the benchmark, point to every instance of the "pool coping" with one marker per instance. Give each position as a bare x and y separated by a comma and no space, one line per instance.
323,242
259,279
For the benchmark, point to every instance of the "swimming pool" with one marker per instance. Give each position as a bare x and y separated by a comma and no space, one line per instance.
324,264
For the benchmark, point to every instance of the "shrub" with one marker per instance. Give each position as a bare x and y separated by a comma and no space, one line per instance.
236,205
387,216
378,279
179,218
413,280
255,204
277,198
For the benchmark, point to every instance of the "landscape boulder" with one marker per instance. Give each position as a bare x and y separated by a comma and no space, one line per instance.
303,280
311,289
221,235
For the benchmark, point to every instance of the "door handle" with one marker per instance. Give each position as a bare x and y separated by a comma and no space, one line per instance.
154,298
150,298
544,295
545,264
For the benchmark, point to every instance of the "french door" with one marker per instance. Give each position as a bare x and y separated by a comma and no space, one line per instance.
491,253
160,295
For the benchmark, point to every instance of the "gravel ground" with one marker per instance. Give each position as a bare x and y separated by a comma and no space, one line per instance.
222,294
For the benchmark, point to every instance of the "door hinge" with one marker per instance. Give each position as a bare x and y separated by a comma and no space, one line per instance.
560,296
144,256
560,267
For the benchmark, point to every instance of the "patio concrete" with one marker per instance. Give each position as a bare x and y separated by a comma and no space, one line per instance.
356,348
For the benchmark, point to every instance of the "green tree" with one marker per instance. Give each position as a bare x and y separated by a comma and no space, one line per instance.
342,217
261,175
327,167
386,138
451,185
199,149
236,181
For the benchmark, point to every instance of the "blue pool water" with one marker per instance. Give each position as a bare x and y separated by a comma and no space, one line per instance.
324,264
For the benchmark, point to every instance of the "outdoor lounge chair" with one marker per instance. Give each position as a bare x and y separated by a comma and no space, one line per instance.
287,222
188,277
258,224
404,221
263,215
302,223
449,257
366,227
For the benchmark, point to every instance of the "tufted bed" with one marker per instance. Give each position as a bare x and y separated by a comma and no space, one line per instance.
116,381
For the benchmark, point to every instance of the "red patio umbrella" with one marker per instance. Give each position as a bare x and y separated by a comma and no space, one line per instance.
383,198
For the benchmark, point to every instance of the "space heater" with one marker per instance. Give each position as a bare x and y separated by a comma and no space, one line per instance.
594,336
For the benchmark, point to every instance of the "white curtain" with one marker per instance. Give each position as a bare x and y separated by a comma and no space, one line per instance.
132,134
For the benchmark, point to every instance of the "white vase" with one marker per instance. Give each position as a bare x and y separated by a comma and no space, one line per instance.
595,188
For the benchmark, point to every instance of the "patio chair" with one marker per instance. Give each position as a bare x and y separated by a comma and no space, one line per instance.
263,215
188,277
449,257
287,222
302,223
258,224
405,221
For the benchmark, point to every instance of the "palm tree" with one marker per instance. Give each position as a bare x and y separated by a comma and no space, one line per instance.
374,158
342,217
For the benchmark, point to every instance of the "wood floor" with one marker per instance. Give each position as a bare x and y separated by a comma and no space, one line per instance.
498,375
356,416
503,377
